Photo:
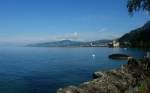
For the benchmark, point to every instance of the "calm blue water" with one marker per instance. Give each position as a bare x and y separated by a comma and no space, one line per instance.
43,70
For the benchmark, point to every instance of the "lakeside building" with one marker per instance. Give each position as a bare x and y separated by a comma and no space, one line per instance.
114,44
98,45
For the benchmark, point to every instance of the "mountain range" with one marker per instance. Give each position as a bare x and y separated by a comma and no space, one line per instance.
70,43
139,37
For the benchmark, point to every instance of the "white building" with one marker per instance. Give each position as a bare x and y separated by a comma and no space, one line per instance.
115,43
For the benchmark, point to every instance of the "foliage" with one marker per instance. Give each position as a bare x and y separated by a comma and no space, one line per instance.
142,87
136,5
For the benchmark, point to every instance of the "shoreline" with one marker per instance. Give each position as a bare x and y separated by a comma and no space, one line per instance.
129,78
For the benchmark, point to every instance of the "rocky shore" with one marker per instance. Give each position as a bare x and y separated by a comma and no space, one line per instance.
134,77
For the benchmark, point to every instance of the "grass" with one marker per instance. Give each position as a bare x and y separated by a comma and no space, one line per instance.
142,87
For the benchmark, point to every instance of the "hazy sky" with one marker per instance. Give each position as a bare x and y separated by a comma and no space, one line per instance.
27,21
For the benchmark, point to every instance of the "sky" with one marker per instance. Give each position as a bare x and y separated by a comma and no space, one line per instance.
31,21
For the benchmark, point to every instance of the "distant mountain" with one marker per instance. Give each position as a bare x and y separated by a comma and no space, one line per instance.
69,43
137,38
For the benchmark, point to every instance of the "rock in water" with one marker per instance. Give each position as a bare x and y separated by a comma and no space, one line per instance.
98,74
119,56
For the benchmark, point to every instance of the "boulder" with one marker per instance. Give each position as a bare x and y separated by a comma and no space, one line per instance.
98,74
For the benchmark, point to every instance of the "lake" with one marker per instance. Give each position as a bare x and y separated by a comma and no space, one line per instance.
44,70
